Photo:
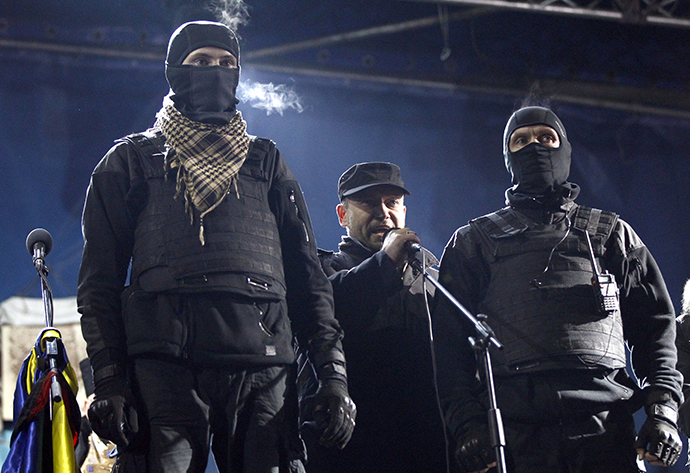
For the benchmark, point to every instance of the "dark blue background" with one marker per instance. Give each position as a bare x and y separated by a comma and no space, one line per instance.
61,111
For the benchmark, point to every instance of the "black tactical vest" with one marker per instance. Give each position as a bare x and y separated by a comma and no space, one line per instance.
242,253
548,320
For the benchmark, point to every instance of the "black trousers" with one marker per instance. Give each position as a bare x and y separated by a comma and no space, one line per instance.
573,421
242,410
601,444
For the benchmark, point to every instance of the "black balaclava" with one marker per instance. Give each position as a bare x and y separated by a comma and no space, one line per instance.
537,170
202,93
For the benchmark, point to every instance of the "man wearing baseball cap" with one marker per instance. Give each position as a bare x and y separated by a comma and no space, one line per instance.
380,303
215,226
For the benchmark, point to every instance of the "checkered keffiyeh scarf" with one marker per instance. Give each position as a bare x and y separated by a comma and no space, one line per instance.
207,157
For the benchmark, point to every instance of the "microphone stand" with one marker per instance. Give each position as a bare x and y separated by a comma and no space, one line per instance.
484,339
46,292
51,344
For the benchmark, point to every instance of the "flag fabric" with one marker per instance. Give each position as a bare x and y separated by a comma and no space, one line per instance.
46,427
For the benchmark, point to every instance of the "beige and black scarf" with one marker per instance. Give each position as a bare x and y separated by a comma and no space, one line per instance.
207,157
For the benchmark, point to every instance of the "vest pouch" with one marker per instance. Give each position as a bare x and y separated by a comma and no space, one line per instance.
154,322
550,398
160,279
225,327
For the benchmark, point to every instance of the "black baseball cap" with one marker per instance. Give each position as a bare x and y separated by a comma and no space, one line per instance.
364,175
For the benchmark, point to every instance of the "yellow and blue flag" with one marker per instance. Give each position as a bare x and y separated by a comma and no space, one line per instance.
46,412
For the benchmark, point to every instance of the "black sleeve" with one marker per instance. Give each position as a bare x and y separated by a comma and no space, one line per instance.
647,310
309,293
464,274
683,347
108,230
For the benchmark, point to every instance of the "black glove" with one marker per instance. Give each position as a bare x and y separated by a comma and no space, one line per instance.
659,434
112,414
474,451
334,412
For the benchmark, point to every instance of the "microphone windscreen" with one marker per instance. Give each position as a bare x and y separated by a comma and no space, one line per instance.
39,235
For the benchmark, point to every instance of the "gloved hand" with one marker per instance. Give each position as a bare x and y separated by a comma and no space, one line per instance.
112,414
658,441
474,451
334,413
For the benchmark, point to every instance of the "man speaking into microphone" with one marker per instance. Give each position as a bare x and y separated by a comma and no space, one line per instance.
380,303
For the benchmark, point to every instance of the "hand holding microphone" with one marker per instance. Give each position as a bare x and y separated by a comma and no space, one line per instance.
398,244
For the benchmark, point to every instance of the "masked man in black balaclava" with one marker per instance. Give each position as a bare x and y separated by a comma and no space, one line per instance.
221,248
566,399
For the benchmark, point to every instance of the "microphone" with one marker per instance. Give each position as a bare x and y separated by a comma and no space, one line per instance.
39,243
417,256
413,248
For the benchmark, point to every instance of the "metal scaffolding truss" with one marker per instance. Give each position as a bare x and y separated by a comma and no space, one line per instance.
658,12
328,57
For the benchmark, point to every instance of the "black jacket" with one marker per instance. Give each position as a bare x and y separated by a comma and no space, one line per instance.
646,310
374,279
390,373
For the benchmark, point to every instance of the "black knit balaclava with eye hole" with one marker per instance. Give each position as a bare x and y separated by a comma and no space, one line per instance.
202,93
537,170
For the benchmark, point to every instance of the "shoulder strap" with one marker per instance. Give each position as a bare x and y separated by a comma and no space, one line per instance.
596,222
260,158
147,143
500,224
260,148
150,146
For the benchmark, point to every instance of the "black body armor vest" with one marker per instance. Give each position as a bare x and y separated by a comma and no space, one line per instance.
242,253
548,319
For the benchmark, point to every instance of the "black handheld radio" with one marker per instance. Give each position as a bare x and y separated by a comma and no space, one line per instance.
606,294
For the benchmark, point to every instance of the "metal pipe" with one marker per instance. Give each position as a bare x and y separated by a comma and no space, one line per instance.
365,33
81,50
564,10
569,93
629,103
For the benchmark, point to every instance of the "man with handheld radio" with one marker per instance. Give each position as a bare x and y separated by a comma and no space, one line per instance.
564,287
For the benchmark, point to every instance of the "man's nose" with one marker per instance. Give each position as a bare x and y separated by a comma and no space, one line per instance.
382,209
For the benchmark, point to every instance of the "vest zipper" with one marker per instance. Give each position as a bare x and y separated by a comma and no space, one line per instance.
262,326
304,227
